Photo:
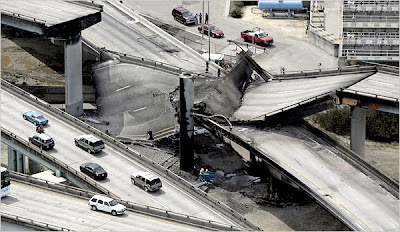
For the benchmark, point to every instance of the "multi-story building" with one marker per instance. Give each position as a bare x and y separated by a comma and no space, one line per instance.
365,30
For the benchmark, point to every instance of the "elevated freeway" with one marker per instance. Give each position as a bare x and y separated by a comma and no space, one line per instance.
176,194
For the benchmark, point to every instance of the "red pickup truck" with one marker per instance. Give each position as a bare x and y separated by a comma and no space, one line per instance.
260,37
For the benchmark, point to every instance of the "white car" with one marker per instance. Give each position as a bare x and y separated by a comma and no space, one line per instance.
103,203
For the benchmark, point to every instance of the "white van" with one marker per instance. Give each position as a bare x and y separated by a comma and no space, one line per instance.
98,202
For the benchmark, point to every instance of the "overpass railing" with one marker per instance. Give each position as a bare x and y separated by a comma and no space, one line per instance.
325,72
30,18
133,207
127,151
31,223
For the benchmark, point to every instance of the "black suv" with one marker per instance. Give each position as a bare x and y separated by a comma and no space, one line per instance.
42,140
183,15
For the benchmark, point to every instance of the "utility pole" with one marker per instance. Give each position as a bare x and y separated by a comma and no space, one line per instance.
202,28
209,41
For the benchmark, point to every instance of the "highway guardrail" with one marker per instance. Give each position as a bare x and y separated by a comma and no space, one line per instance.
24,221
287,75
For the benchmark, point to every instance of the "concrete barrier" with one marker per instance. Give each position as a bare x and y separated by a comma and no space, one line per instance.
34,224
126,150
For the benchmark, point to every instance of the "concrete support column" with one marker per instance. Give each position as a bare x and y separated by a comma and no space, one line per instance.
357,131
34,167
12,159
186,139
58,173
20,162
73,75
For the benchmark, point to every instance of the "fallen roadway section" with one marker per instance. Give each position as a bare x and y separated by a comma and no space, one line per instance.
33,201
299,158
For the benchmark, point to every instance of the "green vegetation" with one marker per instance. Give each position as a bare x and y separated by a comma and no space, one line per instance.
237,12
380,126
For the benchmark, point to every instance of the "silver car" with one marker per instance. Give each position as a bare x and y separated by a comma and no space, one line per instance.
146,180
89,143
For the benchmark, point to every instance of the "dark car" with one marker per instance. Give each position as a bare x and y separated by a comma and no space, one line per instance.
42,140
35,118
214,31
183,15
93,170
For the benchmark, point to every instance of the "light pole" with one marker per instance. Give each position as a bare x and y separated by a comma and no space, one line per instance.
208,26
202,28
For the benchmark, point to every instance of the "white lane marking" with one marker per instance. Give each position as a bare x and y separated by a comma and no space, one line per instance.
394,221
159,203
48,16
291,91
103,27
139,109
52,8
379,82
349,186
378,90
288,103
123,88
108,172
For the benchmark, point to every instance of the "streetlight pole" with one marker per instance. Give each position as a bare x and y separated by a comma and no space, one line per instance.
202,28
208,26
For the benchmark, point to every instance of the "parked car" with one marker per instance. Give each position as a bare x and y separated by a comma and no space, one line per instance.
93,170
106,204
89,143
183,15
42,140
214,31
146,180
35,118
259,37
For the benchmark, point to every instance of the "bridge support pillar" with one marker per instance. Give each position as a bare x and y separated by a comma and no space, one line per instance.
357,130
34,167
16,160
73,75
12,159
58,173
20,162
186,139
